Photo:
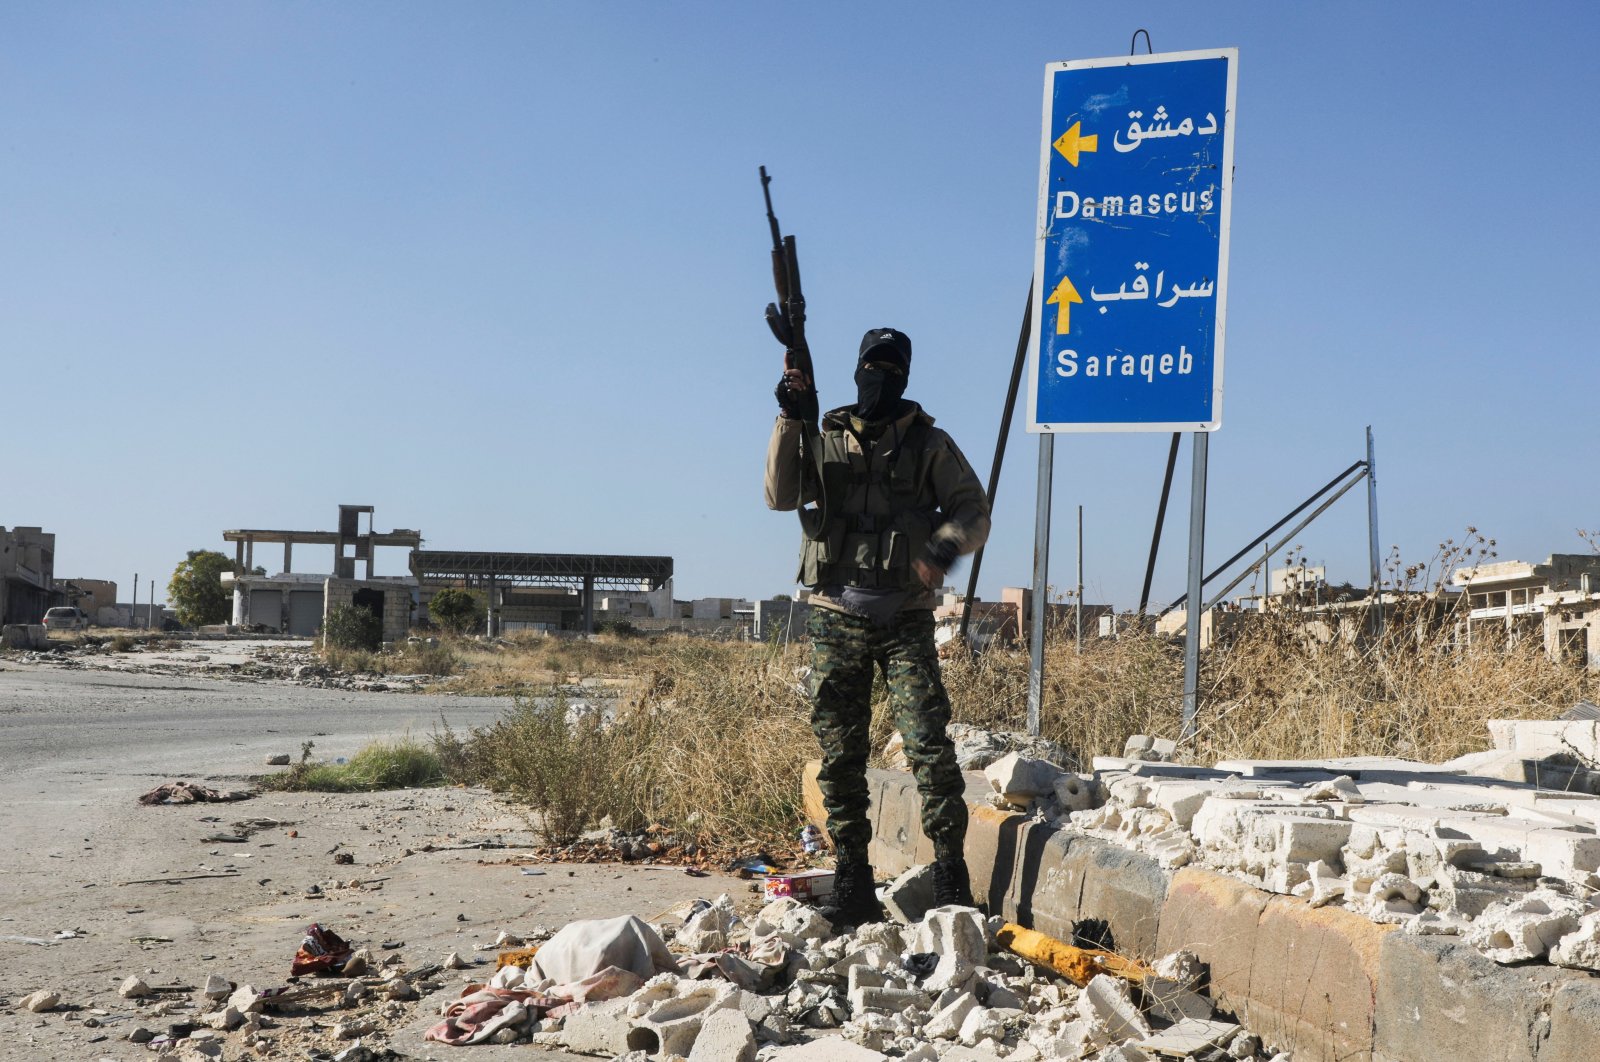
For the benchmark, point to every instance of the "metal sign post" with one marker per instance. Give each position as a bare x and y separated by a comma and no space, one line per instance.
1041,575
1197,550
1131,268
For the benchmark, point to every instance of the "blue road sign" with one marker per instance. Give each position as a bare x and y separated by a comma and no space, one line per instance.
1131,275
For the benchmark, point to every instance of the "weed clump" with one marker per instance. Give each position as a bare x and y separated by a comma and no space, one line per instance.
403,764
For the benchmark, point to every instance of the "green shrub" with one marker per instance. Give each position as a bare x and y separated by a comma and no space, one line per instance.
456,609
557,762
352,627
403,764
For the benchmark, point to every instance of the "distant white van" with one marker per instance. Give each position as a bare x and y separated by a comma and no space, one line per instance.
66,618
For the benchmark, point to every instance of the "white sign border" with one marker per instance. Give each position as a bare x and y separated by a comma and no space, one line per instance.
1226,214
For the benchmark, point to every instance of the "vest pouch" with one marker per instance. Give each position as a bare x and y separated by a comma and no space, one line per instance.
862,549
817,555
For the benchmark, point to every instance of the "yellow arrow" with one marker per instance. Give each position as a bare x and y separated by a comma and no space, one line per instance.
1071,142
1064,296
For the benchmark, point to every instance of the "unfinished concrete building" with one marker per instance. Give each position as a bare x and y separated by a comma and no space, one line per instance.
27,574
546,591
1557,601
297,603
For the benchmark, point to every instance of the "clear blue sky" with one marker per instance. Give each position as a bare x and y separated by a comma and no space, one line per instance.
498,270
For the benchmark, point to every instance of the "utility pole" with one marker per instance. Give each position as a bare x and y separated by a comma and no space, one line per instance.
1080,580
133,610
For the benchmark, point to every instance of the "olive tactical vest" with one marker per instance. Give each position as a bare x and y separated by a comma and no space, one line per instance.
850,546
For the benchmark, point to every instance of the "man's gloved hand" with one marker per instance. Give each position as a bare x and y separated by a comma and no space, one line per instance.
797,401
935,562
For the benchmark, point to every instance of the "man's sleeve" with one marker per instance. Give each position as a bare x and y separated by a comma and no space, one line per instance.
962,499
786,486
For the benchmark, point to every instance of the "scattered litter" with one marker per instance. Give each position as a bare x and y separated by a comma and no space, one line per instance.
37,941
191,793
809,885
532,872
321,952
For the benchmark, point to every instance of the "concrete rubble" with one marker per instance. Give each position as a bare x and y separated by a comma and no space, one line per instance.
1500,848
939,988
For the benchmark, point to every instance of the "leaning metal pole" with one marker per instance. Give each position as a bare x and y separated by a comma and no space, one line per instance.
1197,549
1000,451
1041,572
1161,518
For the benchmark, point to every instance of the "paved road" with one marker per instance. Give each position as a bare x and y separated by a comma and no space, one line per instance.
57,723
77,746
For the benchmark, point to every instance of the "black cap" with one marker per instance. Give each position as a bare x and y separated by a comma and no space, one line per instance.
886,344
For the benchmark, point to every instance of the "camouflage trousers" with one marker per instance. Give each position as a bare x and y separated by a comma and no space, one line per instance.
844,651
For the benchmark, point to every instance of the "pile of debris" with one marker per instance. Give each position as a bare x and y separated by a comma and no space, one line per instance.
1501,848
977,748
783,987
360,996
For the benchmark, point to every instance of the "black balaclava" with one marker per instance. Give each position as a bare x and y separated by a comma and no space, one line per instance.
878,389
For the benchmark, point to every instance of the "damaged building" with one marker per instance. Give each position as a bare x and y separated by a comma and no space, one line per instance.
297,603
521,591
27,574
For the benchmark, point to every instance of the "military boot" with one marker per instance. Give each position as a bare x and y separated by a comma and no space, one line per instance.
853,902
951,885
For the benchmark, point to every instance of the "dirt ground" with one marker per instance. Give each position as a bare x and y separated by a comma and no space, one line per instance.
114,888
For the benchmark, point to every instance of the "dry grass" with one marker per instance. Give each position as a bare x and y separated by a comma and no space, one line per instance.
409,658
710,738
526,662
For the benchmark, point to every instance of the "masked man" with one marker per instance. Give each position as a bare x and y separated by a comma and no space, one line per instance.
891,504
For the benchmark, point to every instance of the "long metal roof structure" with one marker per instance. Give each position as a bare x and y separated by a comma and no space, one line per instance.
607,572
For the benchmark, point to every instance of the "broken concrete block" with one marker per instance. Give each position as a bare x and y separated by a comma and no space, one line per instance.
1181,799
1172,1000
1342,788
670,1027
1124,1053
725,1036
224,1020
1189,1037
709,929
1020,780
1527,927
792,922
1108,1009
959,937
980,1024
1151,749
1074,792
908,897
828,1049
350,1030
598,1028
133,988
38,1002
247,999
885,1000
1580,949
359,962
1322,885
945,1024
216,987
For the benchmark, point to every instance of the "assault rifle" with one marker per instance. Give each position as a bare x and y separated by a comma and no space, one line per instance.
787,319
787,316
